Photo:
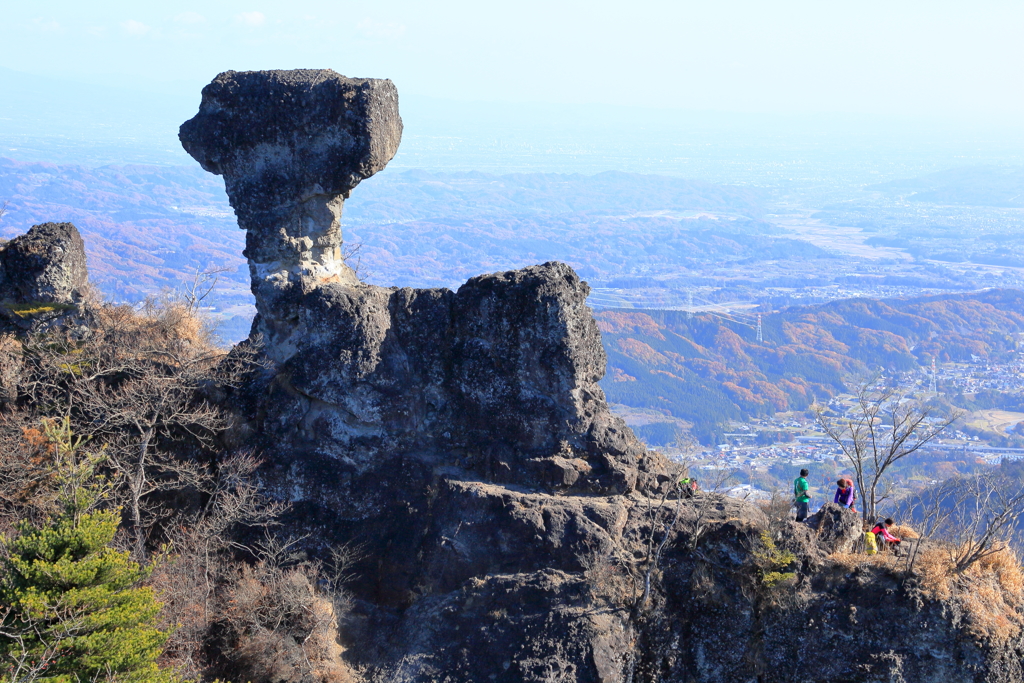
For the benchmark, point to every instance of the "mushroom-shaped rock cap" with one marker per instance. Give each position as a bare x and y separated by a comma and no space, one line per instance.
280,136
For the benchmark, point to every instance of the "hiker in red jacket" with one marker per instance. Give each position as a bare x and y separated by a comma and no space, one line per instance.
881,531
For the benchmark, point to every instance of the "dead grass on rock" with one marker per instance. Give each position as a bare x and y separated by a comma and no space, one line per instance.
850,561
990,592
903,531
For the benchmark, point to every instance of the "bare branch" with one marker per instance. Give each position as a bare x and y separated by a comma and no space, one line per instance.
885,428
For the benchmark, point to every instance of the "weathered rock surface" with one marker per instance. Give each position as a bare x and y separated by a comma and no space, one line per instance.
45,265
460,439
43,279
291,145
837,529
499,378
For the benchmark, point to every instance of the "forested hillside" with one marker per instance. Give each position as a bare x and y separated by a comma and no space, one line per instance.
706,370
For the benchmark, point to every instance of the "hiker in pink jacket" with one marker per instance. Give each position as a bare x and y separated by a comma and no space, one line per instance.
881,531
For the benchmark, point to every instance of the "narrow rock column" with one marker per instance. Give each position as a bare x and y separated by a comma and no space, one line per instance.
291,145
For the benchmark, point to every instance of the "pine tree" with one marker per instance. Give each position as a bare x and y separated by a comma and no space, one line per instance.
74,609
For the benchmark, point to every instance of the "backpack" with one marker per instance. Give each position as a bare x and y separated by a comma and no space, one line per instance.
870,543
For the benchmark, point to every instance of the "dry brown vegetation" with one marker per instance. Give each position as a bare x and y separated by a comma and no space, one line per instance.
904,531
990,592
280,626
143,387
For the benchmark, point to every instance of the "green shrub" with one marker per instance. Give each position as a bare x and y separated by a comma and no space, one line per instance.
73,610
772,562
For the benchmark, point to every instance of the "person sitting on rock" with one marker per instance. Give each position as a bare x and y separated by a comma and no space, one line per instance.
845,494
801,498
881,532
688,487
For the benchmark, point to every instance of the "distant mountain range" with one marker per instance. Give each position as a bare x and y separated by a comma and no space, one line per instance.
145,227
706,370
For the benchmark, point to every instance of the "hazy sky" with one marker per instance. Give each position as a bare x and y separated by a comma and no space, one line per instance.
905,57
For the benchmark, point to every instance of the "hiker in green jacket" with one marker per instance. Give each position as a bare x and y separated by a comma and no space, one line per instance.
800,495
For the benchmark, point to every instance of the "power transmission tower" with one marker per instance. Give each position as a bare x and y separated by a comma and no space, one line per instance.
689,304
934,385
760,337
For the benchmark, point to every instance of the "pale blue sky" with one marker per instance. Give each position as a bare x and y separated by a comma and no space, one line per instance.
903,57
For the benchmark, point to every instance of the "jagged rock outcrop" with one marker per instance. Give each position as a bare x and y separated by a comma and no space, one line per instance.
499,378
45,265
43,279
291,145
506,519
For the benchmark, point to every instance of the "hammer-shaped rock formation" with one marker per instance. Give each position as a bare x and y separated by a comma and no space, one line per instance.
499,378
291,145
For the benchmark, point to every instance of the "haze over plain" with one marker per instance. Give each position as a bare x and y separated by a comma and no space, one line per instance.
833,120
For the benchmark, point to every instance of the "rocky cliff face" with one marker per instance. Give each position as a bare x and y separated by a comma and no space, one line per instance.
509,523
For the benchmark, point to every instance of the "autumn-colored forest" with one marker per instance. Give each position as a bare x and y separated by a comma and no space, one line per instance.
707,370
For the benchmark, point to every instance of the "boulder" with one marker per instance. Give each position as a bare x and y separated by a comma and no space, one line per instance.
45,265
837,528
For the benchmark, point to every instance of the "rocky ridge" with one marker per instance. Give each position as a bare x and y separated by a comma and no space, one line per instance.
508,521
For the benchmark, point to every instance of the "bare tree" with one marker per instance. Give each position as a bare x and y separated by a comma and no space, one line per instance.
984,511
688,512
654,546
25,664
716,483
204,281
196,558
971,517
884,427
929,514
352,256
139,383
